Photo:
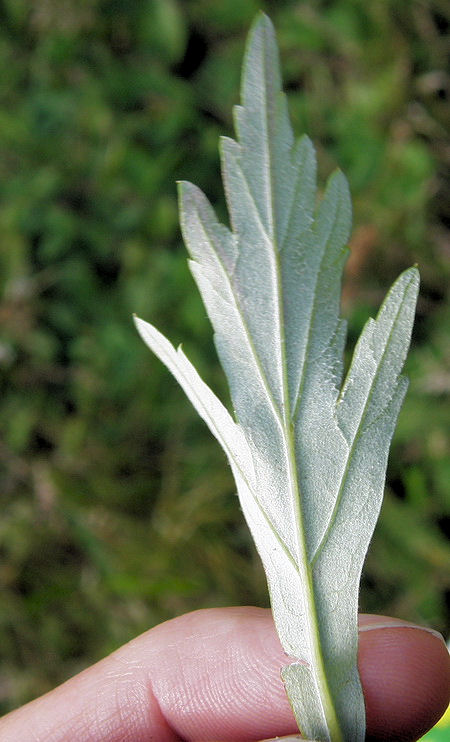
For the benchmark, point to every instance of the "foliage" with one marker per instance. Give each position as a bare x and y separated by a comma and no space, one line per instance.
108,480
308,449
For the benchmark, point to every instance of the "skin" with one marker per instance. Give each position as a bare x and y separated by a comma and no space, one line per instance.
214,675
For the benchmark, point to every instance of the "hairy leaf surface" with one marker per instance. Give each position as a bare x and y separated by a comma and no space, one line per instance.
307,449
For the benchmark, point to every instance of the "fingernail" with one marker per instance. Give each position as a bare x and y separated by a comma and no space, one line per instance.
401,625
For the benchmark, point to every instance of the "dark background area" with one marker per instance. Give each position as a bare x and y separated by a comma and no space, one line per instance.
117,507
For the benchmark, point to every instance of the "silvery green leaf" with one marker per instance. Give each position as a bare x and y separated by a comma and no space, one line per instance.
308,449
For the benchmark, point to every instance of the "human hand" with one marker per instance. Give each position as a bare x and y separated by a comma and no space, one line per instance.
215,675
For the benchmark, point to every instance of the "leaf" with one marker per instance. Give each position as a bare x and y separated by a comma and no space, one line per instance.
308,451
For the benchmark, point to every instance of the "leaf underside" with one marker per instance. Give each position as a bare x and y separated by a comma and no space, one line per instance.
308,449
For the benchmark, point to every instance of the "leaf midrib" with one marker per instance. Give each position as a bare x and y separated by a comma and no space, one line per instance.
312,623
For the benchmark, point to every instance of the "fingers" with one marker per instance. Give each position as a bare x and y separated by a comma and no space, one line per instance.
215,675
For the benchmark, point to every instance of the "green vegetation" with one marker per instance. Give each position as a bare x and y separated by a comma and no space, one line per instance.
109,480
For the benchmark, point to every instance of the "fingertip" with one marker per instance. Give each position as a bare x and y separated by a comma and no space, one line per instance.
405,672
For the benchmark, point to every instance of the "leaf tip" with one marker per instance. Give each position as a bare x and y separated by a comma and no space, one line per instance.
138,323
261,21
339,181
411,276
415,270
182,186
189,196
261,29
261,43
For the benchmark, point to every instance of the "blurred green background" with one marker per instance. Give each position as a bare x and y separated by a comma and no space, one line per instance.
117,507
